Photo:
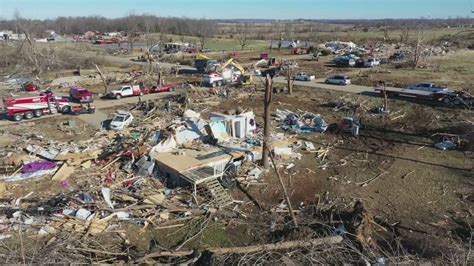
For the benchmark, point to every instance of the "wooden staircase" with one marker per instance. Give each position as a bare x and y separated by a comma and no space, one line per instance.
218,193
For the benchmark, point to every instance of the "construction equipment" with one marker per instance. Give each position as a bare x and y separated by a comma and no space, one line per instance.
218,75
244,78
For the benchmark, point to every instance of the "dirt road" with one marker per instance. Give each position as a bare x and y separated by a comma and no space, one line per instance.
102,104
319,83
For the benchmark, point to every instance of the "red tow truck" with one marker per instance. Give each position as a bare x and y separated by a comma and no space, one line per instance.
21,108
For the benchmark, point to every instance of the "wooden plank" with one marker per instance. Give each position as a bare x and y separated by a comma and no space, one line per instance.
63,173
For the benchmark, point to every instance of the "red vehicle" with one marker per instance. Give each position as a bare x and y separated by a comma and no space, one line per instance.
30,87
300,51
264,56
35,106
164,88
81,95
82,109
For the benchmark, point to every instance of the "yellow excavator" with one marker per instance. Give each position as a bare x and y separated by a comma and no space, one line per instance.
245,78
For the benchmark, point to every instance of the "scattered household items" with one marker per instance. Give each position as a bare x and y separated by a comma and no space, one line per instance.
349,125
450,141
304,123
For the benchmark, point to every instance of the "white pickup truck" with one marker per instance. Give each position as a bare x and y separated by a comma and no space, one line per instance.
302,76
371,62
126,91
430,87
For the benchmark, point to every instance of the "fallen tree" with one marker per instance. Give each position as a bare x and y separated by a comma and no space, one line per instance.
250,249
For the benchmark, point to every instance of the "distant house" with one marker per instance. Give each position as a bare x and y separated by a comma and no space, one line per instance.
54,37
5,35
112,34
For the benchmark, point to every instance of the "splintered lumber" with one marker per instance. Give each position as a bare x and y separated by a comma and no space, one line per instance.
251,249
63,173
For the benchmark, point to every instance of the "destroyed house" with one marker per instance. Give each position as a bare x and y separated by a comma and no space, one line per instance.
236,126
198,169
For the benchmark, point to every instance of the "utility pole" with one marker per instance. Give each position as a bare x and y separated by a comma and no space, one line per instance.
266,118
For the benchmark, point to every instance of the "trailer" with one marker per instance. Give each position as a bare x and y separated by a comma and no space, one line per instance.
21,108
450,98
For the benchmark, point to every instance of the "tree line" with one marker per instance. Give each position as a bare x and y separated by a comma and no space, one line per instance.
130,23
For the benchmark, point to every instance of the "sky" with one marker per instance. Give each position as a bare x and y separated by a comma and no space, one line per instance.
229,9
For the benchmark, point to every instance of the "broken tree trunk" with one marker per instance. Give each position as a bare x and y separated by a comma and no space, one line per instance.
103,79
279,246
266,116
160,74
289,78
385,97
287,198
252,249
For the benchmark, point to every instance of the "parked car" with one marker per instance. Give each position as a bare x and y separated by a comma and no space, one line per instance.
371,62
81,95
121,120
302,76
339,80
164,88
345,61
430,87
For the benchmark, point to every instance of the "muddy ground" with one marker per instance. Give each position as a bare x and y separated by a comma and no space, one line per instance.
426,192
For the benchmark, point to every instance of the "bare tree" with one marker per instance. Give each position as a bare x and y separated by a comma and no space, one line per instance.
386,34
205,30
418,48
404,35
242,35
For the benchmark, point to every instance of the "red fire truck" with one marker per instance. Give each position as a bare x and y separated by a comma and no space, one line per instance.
35,106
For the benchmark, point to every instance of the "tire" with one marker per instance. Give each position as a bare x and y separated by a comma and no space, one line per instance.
341,83
141,93
66,110
171,90
219,83
18,117
214,84
327,82
118,97
457,102
29,115
38,113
